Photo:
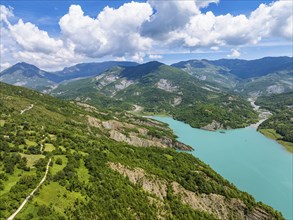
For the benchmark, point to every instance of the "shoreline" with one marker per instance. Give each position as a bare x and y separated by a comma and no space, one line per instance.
264,115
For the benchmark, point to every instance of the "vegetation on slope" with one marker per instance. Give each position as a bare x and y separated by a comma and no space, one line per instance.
80,184
280,125
162,89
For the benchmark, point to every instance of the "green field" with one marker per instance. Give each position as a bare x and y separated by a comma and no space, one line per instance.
32,158
54,194
56,167
49,147
83,173
12,180
52,137
2,123
30,143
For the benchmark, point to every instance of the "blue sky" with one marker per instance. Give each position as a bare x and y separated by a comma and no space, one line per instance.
54,34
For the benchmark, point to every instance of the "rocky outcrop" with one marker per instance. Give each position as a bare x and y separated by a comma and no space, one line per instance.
217,205
166,86
151,184
177,101
135,140
213,126
123,84
119,131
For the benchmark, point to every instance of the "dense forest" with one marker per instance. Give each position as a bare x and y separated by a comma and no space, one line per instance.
93,176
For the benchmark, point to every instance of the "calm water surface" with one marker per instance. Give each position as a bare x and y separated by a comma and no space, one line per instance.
252,162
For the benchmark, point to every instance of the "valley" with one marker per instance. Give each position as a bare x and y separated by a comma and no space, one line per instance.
86,158
146,110
103,144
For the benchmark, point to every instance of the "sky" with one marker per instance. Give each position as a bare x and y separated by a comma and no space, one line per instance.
59,33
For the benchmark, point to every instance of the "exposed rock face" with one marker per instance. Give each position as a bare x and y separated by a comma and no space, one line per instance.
117,131
217,205
177,101
166,86
106,81
213,126
123,84
152,185
275,89
135,141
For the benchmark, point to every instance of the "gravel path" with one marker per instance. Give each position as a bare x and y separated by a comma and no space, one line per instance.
31,194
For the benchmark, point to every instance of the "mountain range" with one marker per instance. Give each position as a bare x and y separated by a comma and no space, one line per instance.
156,88
269,75
30,76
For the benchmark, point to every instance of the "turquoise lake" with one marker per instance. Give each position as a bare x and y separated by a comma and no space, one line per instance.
251,161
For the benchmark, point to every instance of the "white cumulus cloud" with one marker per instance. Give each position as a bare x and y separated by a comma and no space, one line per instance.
234,53
155,56
136,30
114,31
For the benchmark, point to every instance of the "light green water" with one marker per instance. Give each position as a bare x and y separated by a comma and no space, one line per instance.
252,162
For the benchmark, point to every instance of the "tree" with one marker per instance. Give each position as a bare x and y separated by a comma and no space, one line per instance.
58,161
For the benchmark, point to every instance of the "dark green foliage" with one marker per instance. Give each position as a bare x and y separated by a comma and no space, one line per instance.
58,161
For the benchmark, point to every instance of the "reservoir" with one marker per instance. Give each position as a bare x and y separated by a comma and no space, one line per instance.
251,161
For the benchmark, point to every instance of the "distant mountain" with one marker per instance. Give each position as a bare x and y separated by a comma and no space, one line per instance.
27,75
30,76
88,69
208,72
245,69
158,88
249,77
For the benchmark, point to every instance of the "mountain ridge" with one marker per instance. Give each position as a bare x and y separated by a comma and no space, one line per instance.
161,89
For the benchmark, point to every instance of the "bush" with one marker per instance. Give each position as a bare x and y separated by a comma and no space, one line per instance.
58,161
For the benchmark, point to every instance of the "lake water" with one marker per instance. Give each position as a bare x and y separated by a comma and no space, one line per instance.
252,162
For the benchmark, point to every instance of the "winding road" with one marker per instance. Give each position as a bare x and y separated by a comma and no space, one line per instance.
31,194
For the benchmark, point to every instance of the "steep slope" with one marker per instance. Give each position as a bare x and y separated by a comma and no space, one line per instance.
264,76
161,89
92,176
280,125
27,75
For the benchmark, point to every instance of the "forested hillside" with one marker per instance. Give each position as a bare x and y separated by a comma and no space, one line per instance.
104,165
280,125
155,88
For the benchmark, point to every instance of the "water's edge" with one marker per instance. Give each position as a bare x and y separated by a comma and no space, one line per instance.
245,157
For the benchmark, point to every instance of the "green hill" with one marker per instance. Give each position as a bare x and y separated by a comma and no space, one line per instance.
160,89
104,165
